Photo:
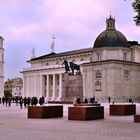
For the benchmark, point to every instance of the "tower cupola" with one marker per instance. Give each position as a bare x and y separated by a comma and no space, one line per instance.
110,23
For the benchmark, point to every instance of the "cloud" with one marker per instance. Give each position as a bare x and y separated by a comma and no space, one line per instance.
131,31
76,24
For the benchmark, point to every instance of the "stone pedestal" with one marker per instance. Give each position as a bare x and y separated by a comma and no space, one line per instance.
45,111
137,118
85,112
72,86
123,109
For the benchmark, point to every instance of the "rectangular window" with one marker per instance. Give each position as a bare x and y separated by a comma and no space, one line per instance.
126,74
98,74
98,86
124,56
98,56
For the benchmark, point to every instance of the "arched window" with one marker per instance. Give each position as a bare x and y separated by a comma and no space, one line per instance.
107,24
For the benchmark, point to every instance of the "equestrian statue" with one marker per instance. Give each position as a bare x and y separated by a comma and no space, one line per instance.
72,65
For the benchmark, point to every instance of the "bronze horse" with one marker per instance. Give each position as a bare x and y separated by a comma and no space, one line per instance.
73,67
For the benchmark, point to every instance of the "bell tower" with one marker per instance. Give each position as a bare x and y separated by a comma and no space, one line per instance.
1,67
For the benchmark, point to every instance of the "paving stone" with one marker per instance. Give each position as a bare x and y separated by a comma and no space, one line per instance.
14,125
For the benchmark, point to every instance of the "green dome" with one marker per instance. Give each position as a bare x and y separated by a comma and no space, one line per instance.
111,37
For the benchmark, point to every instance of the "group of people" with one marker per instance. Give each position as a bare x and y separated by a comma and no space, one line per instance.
6,101
77,100
89,100
26,101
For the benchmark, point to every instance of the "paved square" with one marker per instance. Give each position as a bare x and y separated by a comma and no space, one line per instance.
14,125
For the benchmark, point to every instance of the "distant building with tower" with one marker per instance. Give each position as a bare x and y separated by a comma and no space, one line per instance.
111,68
1,67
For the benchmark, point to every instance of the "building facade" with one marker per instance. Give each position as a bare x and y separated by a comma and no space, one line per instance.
115,70
1,67
110,68
17,90
14,86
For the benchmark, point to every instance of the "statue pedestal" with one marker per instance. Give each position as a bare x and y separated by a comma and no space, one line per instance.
137,118
72,86
85,113
122,109
45,111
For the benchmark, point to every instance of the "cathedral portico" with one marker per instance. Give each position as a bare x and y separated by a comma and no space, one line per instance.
47,85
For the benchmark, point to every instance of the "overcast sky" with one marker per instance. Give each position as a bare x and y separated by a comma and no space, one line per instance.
27,24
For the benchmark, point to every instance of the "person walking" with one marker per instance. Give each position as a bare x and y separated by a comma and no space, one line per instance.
25,102
109,99
78,100
28,101
3,100
9,101
6,100
40,101
0,100
21,102
86,100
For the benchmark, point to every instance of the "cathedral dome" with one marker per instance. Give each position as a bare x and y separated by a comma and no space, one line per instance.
111,37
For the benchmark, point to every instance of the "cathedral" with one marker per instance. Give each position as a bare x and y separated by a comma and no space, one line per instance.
111,68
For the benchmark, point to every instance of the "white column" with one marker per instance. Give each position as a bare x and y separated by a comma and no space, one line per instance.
35,87
28,86
84,85
47,87
54,87
23,92
41,82
43,85
60,86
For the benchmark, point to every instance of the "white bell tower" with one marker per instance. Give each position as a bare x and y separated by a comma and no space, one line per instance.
1,67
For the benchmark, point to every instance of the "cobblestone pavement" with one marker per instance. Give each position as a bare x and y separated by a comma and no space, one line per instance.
14,125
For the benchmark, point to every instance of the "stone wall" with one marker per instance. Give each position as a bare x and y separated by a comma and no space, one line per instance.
120,80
